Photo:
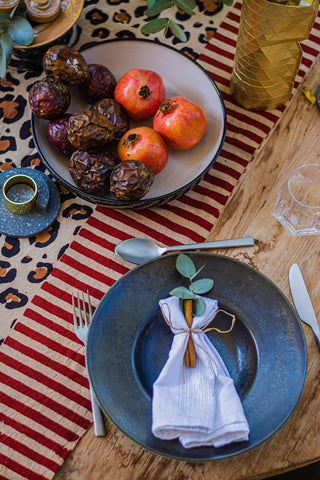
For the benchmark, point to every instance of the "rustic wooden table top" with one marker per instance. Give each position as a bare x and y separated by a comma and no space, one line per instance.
295,141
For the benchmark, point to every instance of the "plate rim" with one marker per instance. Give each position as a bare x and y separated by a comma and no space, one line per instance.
143,202
197,458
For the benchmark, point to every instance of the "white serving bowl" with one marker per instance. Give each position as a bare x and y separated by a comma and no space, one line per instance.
182,77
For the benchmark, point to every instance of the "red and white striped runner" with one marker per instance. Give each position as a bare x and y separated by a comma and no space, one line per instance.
45,403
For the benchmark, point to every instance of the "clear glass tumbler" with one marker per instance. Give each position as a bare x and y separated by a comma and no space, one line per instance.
297,207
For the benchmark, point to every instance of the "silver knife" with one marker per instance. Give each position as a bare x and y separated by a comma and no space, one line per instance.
302,301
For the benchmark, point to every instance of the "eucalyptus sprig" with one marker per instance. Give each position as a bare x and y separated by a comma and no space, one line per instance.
156,7
187,269
14,28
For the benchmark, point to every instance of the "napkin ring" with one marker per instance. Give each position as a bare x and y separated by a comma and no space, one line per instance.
20,193
190,330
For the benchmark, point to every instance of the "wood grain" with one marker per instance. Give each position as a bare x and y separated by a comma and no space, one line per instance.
295,141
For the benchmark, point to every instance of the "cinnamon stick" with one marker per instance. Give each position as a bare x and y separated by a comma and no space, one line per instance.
190,355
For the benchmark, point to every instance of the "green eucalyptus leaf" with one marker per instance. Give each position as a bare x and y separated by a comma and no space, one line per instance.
154,26
182,292
181,306
190,3
158,7
185,266
150,3
3,63
19,9
177,31
186,6
197,272
3,26
229,3
20,31
7,46
198,307
202,286
4,17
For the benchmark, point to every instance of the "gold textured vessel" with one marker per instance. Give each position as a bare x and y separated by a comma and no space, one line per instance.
268,53
6,6
43,11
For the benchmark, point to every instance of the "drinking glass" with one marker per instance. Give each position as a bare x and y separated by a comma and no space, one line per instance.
297,207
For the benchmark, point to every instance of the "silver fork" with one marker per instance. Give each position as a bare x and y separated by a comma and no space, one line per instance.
81,328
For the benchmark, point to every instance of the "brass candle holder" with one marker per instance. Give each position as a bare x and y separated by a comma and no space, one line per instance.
23,200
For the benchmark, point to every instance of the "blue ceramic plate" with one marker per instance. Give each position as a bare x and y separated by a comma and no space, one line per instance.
129,342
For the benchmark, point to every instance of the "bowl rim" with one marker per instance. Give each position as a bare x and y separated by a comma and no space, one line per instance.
76,5
142,202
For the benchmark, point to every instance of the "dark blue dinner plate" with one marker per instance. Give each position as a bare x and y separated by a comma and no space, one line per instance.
129,342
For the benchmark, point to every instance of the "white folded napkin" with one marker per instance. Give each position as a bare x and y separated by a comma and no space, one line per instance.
201,407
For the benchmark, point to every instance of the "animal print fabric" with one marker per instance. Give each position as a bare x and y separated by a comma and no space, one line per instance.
26,262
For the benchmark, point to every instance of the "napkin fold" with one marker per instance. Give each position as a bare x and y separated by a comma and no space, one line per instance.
200,406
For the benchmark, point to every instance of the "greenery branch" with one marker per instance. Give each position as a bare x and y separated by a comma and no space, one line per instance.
14,28
156,7
187,269
190,301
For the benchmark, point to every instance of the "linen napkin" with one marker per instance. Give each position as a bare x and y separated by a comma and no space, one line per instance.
199,405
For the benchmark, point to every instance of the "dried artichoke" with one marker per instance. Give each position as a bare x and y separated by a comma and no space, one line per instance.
91,171
89,130
131,180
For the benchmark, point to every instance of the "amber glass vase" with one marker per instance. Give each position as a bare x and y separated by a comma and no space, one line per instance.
268,52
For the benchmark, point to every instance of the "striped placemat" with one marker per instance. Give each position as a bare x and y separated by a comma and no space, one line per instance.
45,402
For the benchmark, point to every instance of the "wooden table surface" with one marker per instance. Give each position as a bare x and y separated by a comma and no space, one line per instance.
295,141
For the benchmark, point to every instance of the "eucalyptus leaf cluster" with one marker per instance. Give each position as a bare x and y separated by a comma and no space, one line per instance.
14,28
156,7
187,269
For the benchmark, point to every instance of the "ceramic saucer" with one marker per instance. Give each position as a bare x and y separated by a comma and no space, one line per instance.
48,205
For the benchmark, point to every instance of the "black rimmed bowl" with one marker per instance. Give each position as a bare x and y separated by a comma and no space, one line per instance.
182,76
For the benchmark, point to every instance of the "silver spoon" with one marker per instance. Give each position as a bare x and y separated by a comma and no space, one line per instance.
139,250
